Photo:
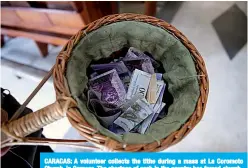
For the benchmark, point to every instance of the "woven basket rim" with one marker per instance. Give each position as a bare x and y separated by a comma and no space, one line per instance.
86,130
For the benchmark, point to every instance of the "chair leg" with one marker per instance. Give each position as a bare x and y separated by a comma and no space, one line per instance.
150,8
2,40
43,47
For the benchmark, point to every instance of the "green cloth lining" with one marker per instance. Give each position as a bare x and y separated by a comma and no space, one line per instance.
175,57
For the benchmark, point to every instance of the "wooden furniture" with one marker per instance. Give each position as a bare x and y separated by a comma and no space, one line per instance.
50,22
150,8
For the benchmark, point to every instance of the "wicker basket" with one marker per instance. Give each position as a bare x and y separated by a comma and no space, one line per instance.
65,105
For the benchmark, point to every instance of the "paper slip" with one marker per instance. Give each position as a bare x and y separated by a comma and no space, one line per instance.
152,90
139,83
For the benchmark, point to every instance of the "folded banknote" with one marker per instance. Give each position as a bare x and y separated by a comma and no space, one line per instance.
143,64
159,101
107,121
120,67
135,53
104,112
148,121
109,88
134,115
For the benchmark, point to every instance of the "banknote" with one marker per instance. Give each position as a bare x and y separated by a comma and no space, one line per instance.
103,108
145,55
125,78
134,115
130,54
108,88
137,59
94,74
161,88
139,83
155,116
90,95
135,53
159,101
119,59
159,76
152,90
133,64
107,121
129,102
147,66
155,63
120,67
146,123
105,113
116,129
143,64
157,107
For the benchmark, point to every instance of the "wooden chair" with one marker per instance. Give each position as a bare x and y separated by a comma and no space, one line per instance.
50,22
150,8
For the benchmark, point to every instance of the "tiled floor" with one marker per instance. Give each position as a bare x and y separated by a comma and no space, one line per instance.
231,27
224,125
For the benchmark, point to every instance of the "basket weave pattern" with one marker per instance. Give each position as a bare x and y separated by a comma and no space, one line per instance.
86,130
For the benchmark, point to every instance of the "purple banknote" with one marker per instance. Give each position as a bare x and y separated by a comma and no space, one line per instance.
105,113
135,53
94,74
120,67
159,101
135,59
142,64
109,88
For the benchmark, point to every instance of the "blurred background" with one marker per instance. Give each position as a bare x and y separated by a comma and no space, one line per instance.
33,33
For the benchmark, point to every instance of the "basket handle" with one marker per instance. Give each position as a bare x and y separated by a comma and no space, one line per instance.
17,129
31,96
34,121
47,142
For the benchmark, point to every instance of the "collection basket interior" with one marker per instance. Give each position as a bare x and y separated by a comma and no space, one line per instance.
181,76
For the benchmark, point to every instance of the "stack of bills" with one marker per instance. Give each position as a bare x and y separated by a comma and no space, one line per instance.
126,94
